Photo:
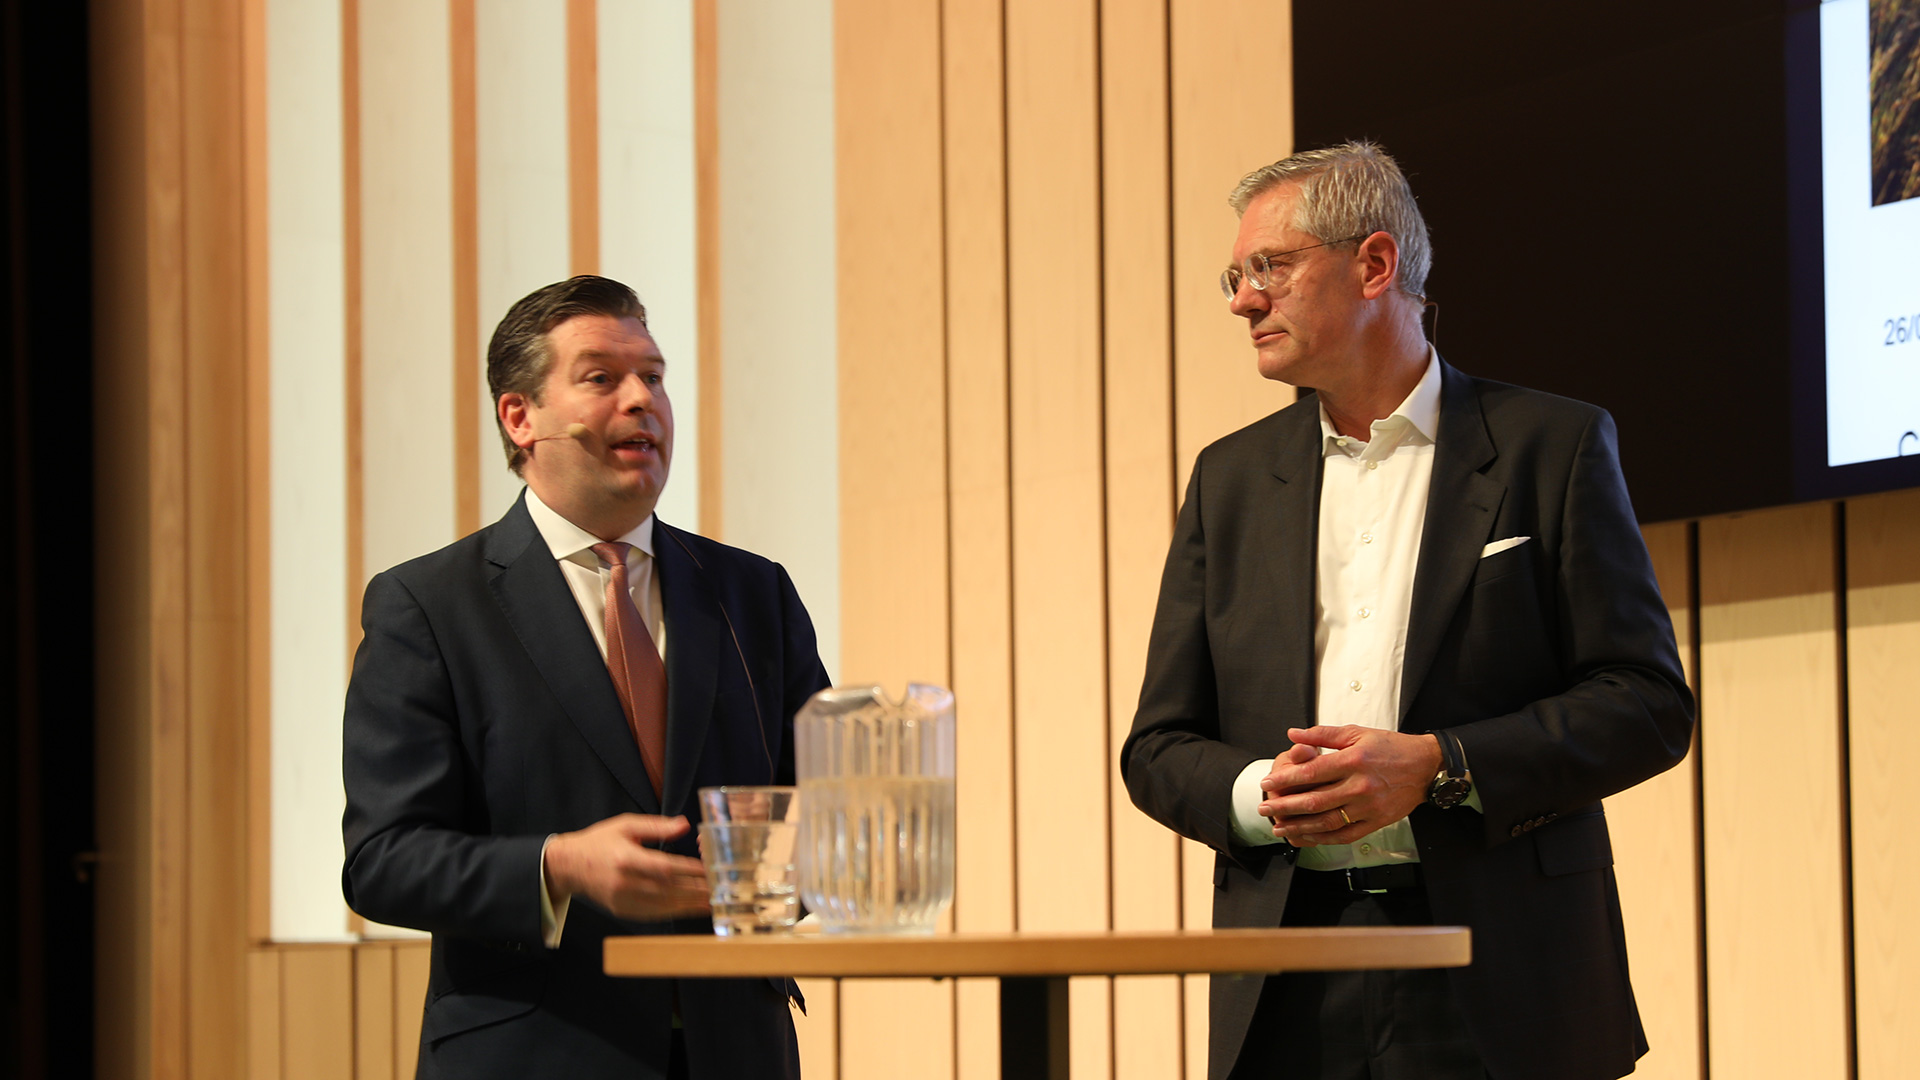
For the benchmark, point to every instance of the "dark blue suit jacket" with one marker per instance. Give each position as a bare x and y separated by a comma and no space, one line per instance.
481,718
1553,662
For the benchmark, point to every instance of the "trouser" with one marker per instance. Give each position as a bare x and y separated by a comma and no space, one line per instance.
1356,1025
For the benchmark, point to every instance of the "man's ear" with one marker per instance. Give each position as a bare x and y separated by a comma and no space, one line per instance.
516,417
1379,265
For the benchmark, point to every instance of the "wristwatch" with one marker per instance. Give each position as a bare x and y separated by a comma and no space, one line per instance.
1454,782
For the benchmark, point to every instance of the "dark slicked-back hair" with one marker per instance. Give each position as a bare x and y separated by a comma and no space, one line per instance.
521,353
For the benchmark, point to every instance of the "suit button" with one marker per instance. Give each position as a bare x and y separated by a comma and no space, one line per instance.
1516,830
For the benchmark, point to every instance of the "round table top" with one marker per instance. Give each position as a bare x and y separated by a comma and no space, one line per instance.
1039,953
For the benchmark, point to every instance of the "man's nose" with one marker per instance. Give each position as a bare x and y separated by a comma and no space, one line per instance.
638,395
1248,302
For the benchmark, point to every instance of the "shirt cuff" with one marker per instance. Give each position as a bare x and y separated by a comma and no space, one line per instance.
553,917
1252,829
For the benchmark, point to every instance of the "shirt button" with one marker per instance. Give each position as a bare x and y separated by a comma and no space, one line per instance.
1341,441
1366,849
1366,538
1365,613
1353,684
1373,464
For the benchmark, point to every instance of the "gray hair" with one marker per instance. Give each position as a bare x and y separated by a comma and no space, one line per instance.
1353,189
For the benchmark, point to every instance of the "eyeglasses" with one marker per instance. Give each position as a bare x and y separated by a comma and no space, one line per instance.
1263,272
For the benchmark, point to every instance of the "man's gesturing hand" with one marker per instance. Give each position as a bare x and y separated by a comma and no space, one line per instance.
607,863
1377,777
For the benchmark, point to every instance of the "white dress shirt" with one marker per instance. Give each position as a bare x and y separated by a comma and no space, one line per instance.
572,548
1373,506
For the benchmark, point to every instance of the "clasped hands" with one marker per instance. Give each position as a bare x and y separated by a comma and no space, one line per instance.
1376,777
609,863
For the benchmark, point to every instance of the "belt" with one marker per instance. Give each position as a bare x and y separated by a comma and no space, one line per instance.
1364,879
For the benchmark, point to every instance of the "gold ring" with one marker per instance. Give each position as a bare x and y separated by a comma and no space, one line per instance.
1343,814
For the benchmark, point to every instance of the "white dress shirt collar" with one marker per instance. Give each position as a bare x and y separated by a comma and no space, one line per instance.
567,540
1420,412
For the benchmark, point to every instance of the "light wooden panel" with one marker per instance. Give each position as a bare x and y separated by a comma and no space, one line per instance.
1770,756
892,408
263,1014
818,1029
411,966
1055,429
373,1012
316,1012
1883,642
1655,843
978,503
1232,112
1138,383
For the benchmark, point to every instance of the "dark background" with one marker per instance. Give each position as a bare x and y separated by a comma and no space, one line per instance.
1619,202
47,547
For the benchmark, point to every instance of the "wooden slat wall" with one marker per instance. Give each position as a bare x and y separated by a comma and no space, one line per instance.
1032,351
1771,755
893,443
1136,272
1883,643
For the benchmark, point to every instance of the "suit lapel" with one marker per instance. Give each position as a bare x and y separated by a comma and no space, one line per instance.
533,593
696,638
1462,505
1293,515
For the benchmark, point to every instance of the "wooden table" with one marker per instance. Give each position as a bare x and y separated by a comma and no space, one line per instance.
1033,968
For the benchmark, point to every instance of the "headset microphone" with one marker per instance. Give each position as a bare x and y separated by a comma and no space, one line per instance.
576,431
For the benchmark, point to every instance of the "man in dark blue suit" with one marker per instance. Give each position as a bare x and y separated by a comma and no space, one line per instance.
532,710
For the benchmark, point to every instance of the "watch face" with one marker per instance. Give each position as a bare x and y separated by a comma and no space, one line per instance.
1449,791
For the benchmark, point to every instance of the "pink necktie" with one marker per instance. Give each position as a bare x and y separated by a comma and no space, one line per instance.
638,675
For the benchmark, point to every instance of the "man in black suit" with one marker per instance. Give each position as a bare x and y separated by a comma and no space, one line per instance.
1407,639
519,760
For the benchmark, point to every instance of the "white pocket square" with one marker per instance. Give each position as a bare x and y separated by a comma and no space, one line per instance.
1499,546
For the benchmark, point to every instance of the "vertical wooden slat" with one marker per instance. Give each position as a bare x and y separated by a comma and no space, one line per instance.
411,964
1059,610
1656,850
1770,726
1232,103
259,656
1883,640
316,1012
893,437
1138,333
373,1012
978,501
583,135
464,133
263,1014
213,776
133,57
706,196
355,332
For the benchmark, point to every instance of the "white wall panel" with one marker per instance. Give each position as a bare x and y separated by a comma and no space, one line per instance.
406,298
520,69
779,393
307,420
647,217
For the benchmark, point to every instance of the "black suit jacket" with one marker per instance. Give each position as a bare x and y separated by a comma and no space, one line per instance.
1553,662
481,718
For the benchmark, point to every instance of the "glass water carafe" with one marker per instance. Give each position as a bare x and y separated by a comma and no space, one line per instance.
876,808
